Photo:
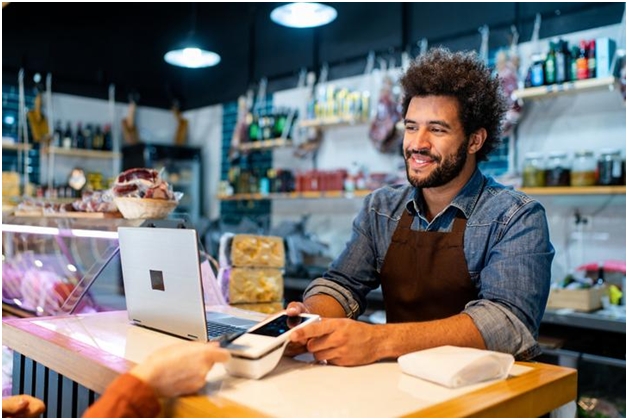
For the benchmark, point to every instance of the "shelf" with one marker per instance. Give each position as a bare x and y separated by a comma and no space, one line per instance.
265,144
565,88
16,146
595,190
84,153
331,121
296,195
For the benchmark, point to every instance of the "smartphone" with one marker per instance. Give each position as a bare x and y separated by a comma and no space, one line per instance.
268,335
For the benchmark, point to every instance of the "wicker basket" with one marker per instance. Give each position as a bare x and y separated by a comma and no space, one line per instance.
144,208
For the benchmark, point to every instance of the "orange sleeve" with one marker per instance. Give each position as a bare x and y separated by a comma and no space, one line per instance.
126,396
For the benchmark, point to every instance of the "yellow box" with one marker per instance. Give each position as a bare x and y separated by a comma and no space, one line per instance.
257,251
585,300
255,285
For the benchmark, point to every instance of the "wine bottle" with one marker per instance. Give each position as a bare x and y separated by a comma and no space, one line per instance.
79,138
68,137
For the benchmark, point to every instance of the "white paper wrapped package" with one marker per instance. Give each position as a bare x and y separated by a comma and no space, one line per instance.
454,367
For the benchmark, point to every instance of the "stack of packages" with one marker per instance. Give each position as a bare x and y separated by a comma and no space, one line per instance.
256,275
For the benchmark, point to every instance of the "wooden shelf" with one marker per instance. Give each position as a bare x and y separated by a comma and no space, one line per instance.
84,153
265,144
331,121
296,195
595,190
565,88
16,146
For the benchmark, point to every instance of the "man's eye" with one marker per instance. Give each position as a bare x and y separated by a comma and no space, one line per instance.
411,128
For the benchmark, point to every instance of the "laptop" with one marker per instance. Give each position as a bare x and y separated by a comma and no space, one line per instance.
163,284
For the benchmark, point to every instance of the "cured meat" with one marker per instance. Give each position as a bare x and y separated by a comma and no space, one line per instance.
142,183
133,174
383,133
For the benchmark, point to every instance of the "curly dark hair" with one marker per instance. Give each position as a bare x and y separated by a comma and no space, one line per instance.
465,77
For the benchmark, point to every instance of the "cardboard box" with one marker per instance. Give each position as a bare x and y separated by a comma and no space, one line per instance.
585,300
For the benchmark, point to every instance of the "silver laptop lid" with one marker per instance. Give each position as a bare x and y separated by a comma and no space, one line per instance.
162,280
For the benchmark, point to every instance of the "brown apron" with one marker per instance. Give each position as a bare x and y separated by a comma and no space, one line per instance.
425,274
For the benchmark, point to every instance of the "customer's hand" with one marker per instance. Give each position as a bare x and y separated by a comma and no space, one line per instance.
181,368
22,406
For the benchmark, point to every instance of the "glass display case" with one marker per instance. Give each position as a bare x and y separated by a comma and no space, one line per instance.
49,265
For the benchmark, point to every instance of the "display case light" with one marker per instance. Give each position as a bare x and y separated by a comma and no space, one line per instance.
303,15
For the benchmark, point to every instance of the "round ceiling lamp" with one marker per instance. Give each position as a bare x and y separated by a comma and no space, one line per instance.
192,57
188,54
303,15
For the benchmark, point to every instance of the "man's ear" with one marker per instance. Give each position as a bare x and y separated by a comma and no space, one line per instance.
476,141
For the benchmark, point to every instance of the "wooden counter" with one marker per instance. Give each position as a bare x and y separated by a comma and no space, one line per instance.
90,350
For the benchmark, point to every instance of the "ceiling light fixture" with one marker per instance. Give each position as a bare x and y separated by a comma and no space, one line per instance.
189,54
192,57
303,15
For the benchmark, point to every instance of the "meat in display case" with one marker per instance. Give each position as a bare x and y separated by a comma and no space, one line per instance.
180,166
45,258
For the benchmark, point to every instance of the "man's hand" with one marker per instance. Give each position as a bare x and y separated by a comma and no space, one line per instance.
342,342
179,369
22,406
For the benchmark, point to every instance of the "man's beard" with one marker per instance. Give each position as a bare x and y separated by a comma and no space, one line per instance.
446,170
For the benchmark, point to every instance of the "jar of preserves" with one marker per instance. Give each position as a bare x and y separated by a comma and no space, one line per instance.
610,167
533,170
558,170
584,169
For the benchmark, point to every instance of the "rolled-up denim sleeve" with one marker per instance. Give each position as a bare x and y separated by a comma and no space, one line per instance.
321,286
514,283
501,330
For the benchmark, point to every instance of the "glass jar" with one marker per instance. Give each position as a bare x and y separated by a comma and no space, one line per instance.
558,170
533,170
584,169
610,167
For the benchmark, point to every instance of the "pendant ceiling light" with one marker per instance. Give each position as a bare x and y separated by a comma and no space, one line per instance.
189,54
303,15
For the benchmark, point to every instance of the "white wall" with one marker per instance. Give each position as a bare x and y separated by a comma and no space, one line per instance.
205,130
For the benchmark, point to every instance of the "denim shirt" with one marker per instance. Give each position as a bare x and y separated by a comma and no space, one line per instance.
506,246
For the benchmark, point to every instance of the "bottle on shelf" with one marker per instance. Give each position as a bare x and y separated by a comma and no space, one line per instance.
107,137
537,71
573,63
98,141
88,133
550,65
562,61
591,62
68,136
57,135
582,63
79,138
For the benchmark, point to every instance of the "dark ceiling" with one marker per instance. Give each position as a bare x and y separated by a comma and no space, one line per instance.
87,46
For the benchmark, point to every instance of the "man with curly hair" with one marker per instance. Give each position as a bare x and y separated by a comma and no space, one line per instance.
461,259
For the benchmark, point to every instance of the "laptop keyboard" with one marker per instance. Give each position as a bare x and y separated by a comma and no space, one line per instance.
215,329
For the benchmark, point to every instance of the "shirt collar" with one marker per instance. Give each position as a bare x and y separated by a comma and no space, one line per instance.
465,200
